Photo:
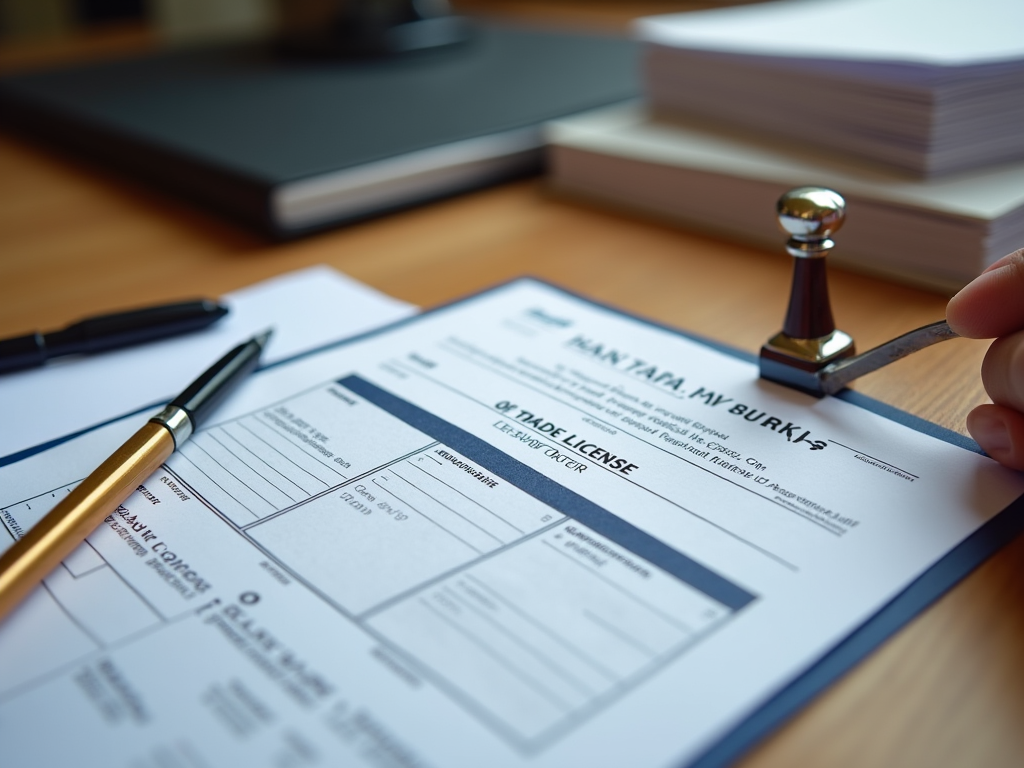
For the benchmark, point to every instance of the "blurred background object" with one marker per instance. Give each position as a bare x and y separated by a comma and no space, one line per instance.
358,108
185,20
36,33
916,121
357,30
181,21
32,19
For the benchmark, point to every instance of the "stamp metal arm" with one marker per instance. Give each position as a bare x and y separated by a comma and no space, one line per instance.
835,376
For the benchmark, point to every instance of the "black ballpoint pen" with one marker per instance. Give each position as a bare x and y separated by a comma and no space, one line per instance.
97,334
64,527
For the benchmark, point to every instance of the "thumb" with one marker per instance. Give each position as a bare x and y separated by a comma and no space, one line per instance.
1000,432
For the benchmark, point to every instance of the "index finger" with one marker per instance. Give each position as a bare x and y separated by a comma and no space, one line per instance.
992,304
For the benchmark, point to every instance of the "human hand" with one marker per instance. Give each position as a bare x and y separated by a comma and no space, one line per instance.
992,306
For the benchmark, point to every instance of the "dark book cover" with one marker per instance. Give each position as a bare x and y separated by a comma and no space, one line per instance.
292,146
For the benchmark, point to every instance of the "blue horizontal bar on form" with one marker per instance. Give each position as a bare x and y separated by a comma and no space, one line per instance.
558,497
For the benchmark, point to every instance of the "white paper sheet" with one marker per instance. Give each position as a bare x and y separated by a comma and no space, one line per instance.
307,309
931,32
522,530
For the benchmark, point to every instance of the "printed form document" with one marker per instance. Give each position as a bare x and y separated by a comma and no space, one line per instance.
520,530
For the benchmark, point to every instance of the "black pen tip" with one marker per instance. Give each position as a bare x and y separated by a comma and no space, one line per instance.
263,338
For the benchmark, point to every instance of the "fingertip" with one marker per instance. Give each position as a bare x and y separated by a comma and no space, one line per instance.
990,305
1002,371
1000,433
959,314
1010,258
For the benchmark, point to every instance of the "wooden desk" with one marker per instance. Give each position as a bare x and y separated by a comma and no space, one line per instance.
947,691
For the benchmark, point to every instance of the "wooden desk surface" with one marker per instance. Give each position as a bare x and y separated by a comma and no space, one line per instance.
946,691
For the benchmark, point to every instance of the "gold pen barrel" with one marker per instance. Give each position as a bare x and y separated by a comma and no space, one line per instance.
54,537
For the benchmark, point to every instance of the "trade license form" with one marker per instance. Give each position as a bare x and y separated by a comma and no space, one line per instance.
520,530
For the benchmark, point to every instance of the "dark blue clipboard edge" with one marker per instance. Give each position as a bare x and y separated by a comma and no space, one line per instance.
782,705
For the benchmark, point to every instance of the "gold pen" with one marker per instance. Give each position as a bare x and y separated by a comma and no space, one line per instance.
64,527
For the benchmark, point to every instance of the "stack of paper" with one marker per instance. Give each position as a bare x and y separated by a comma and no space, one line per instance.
923,87
937,233
910,110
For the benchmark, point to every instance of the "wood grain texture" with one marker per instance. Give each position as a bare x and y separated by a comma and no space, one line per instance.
946,691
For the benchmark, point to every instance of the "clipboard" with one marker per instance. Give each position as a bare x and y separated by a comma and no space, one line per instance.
928,587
